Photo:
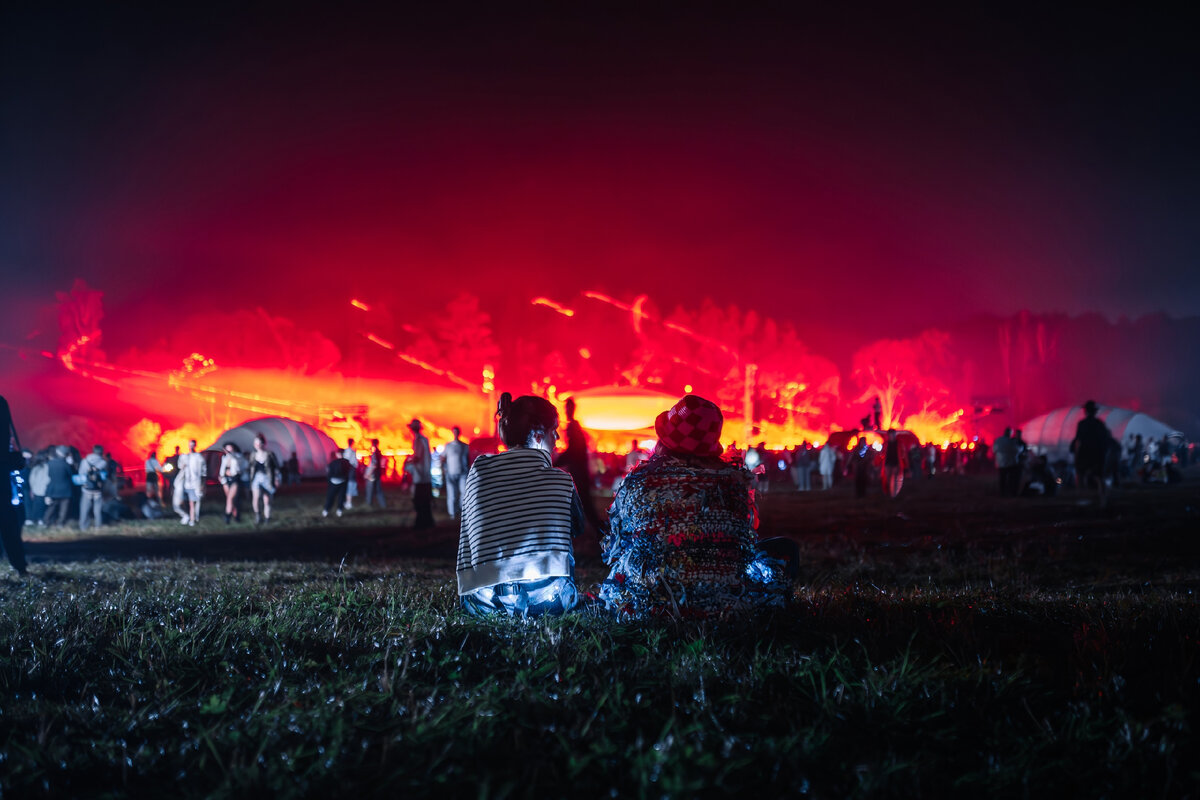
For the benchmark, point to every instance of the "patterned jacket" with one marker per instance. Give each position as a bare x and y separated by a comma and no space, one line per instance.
682,541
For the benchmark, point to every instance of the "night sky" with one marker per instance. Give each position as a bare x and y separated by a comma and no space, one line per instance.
924,167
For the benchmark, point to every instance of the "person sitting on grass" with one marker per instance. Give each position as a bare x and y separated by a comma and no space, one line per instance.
337,474
519,515
682,538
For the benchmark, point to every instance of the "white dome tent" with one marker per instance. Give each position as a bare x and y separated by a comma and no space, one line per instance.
1051,434
284,437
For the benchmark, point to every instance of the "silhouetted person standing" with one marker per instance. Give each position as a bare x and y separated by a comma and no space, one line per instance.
291,469
337,474
893,464
802,467
1005,452
192,471
420,466
351,455
1090,445
862,459
374,476
153,478
456,463
94,474
827,462
575,461
12,511
60,486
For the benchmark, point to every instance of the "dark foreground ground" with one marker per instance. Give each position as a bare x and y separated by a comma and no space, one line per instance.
947,643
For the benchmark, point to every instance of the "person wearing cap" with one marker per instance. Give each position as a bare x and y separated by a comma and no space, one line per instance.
420,466
1090,446
682,537
519,516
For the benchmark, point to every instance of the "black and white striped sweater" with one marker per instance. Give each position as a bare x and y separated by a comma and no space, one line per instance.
518,516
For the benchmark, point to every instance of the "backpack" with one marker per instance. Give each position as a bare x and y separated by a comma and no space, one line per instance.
94,480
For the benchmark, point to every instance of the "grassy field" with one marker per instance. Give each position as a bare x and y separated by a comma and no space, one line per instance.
946,643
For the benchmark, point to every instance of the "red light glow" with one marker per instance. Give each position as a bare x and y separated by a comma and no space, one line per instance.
553,306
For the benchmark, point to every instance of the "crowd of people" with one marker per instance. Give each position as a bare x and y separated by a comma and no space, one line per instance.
681,535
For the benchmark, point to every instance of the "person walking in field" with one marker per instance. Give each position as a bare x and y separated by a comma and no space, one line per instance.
1004,451
39,484
291,469
893,465
827,463
93,473
802,467
114,477
59,487
1090,446
456,460
574,459
420,466
351,455
519,516
230,473
374,475
337,474
265,477
190,480
153,479
862,460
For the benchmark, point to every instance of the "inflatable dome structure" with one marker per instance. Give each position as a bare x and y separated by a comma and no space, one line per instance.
284,437
1051,433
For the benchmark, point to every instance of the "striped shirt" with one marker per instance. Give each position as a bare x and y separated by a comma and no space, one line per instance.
518,516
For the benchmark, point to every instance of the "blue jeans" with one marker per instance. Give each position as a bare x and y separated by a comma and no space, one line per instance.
523,598
454,492
90,504
375,490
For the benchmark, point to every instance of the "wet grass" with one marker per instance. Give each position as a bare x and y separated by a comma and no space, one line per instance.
974,662
311,680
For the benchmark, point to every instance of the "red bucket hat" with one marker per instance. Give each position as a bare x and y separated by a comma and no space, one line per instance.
692,427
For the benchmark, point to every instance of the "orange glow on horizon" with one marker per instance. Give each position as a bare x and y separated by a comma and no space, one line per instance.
792,400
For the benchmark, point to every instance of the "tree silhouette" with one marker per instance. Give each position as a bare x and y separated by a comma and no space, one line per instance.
902,373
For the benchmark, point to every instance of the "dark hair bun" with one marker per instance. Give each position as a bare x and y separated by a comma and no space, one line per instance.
505,405
522,417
